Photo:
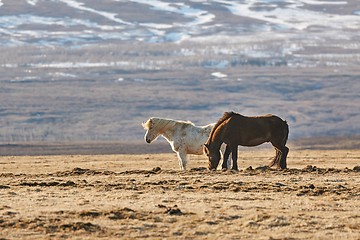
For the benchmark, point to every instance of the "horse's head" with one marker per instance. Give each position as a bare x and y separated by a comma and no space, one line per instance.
151,133
213,155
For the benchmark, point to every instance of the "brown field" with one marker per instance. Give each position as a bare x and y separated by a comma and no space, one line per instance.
146,196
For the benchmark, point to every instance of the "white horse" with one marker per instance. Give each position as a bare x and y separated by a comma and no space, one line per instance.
184,137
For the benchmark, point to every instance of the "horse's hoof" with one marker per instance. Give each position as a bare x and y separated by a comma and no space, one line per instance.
234,169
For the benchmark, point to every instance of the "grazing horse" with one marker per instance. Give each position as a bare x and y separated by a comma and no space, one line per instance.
184,137
235,129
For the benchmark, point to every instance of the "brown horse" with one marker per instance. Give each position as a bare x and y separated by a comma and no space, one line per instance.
234,129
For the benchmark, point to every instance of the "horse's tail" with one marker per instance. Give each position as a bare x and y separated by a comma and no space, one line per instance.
224,117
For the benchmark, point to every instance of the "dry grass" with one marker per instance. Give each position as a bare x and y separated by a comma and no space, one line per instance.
146,196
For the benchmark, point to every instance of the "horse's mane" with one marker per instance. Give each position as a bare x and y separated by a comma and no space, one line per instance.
224,117
160,123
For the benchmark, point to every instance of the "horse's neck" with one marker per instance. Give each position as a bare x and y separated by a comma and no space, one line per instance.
217,144
168,133
168,136
216,140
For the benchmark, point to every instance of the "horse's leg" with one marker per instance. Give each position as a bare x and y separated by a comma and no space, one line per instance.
284,150
227,152
283,164
234,155
182,156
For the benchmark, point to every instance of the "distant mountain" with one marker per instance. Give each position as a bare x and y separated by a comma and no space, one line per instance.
74,22
75,70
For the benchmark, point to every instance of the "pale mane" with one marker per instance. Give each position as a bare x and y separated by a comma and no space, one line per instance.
146,125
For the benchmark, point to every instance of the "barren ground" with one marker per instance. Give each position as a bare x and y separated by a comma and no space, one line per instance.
146,196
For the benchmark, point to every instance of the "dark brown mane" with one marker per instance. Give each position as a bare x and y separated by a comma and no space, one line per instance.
224,117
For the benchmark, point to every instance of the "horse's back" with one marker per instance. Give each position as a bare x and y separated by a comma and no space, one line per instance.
257,127
274,123
192,138
277,122
277,127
